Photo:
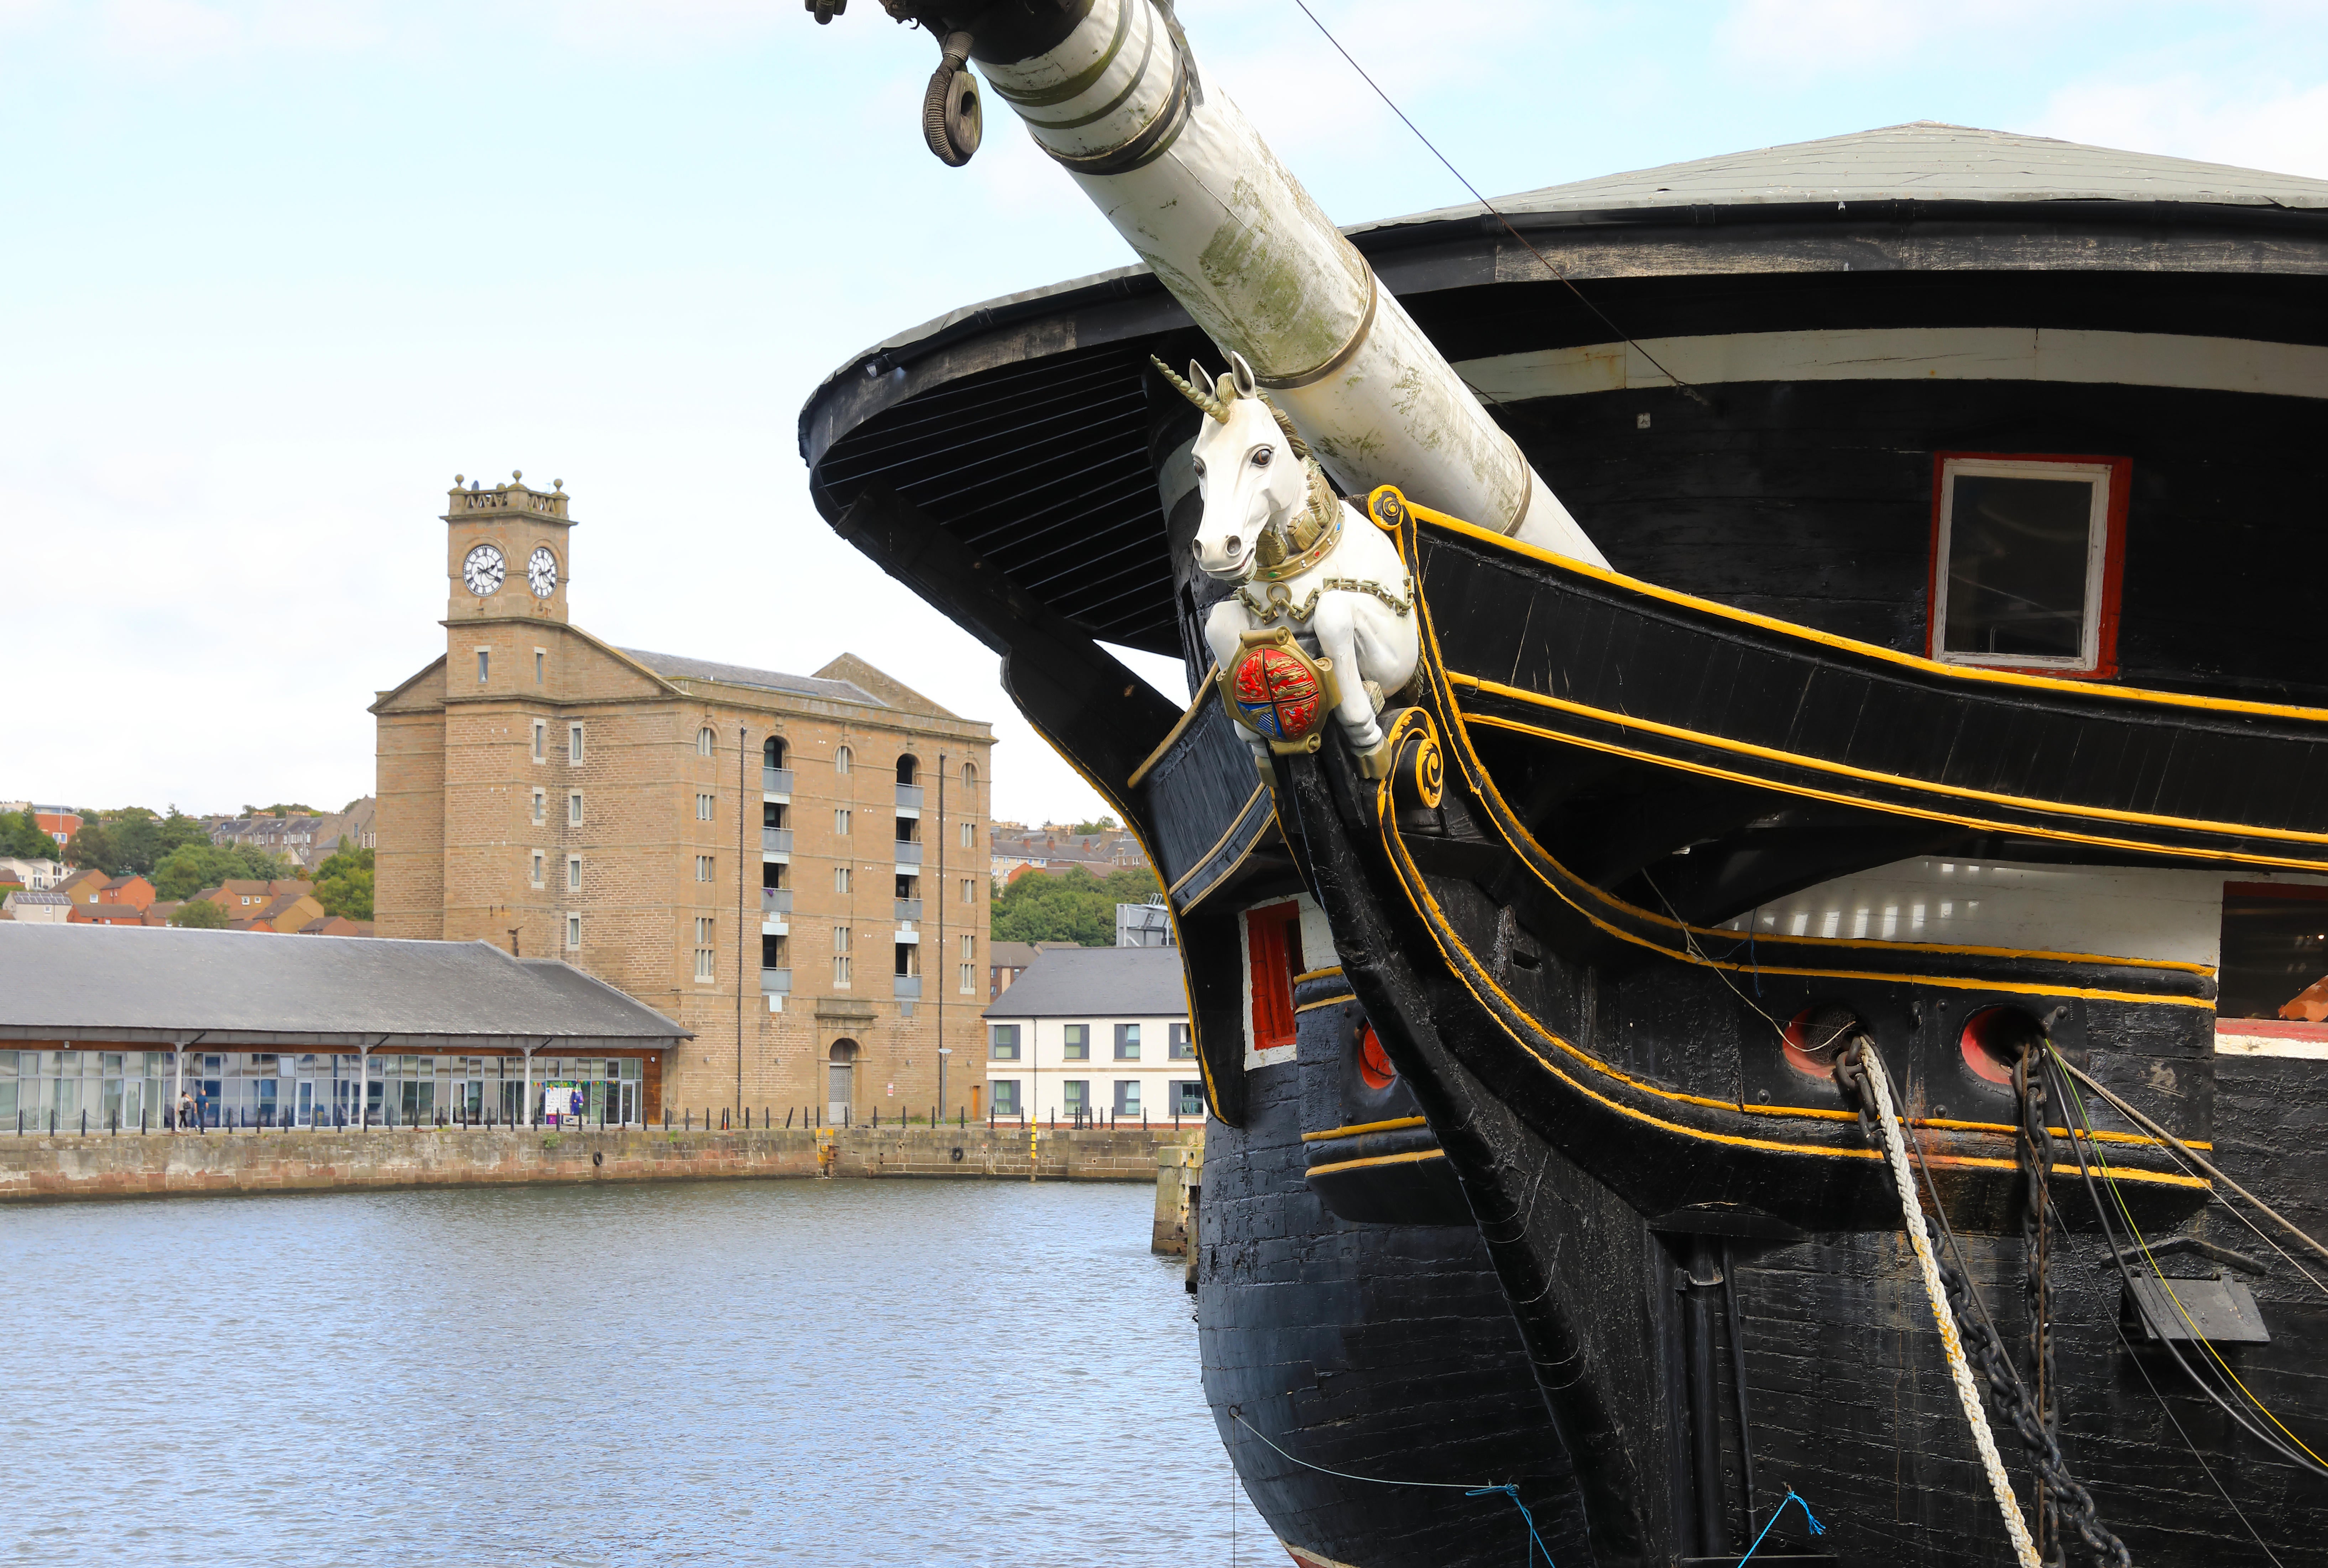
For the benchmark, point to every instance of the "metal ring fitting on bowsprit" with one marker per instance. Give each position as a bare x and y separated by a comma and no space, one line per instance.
952,121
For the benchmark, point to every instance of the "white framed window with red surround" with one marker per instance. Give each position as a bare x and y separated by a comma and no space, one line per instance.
2028,552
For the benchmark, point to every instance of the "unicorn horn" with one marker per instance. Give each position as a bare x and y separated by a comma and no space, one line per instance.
1204,400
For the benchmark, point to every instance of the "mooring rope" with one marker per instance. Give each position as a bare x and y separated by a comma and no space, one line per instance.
1951,1344
1535,1540
1792,1497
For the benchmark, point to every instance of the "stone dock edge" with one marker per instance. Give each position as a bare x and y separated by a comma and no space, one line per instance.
46,1168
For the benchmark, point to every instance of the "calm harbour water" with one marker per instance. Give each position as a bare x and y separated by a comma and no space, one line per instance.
838,1372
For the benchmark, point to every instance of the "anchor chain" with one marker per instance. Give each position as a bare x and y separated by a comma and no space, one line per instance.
1981,1347
2033,1151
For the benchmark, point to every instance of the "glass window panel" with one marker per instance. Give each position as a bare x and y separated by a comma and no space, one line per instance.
2017,562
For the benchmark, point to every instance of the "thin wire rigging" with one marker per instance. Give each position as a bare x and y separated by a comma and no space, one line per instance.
1683,387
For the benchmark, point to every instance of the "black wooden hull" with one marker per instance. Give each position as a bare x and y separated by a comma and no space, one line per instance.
1554,914
1612,1129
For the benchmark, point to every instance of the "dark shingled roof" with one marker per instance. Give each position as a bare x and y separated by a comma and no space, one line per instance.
1097,982
1925,160
673,666
165,985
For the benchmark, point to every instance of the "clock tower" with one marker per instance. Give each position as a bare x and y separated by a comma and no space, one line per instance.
506,551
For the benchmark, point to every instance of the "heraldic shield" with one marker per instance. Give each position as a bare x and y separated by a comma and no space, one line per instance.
1279,692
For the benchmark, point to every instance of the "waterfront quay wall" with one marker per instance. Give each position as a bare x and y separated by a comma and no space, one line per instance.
36,1168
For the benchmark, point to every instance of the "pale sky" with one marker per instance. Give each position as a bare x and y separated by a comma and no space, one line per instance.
273,271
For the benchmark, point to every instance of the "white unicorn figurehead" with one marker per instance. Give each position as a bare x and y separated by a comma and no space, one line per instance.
1266,500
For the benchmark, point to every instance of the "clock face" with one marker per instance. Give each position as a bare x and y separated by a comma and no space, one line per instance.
483,571
541,572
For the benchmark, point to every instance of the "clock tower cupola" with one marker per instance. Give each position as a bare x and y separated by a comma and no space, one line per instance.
506,551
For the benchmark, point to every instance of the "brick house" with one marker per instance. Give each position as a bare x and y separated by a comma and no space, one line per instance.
794,867
86,886
106,914
242,898
132,889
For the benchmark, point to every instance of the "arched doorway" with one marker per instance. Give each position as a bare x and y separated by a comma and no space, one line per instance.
840,1080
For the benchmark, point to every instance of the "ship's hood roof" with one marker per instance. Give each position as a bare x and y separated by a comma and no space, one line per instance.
1925,161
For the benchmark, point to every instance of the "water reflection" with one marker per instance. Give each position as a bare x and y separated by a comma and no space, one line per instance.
837,1372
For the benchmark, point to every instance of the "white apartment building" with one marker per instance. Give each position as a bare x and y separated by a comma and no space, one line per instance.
37,876
1092,1034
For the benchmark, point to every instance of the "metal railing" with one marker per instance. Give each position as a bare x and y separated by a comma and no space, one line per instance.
909,987
909,910
777,838
776,780
909,852
910,795
775,982
775,900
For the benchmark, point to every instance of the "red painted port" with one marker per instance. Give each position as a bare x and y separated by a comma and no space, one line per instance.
1373,1067
1815,1036
1992,1041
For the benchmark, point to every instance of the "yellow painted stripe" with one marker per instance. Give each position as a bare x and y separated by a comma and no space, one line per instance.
1917,663
1334,1001
1379,1159
1319,975
1926,814
1798,759
1518,837
1474,976
1353,1132
1205,859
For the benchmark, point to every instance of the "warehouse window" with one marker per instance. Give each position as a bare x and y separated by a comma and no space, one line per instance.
573,874
541,737
2026,555
703,740
703,803
574,931
573,808
840,760
574,744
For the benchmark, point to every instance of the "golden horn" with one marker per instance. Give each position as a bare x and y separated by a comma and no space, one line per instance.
1204,400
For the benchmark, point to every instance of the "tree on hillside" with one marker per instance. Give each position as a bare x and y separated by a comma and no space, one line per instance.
21,835
200,917
280,810
1105,825
1076,907
93,848
343,884
192,867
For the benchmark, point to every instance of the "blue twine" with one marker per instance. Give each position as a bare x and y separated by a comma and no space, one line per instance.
1792,1497
1536,1542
